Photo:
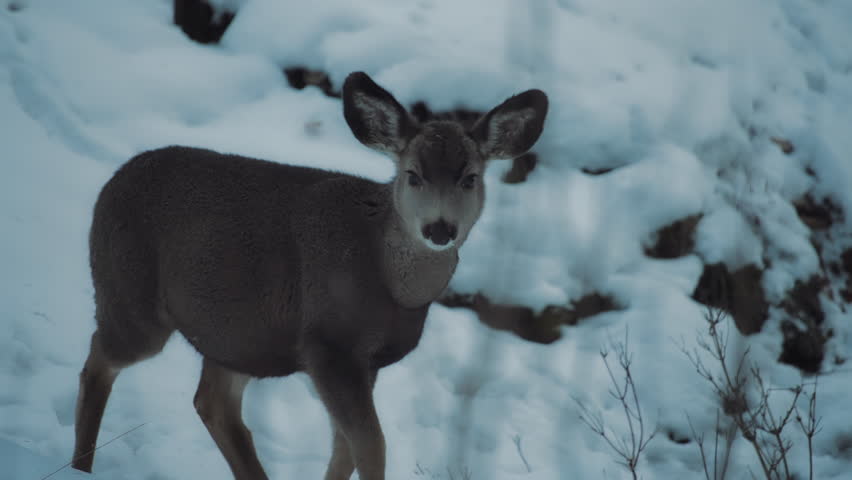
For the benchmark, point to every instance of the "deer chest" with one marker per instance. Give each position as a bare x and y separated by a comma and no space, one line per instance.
400,337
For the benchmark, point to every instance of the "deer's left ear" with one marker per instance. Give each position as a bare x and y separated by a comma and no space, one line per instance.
513,127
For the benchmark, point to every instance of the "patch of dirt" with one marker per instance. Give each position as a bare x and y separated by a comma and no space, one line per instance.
804,331
542,328
804,347
200,21
516,319
586,306
846,263
803,301
675,240
843,444
739,293
818,215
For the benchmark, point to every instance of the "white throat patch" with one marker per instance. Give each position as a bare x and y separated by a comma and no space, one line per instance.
439,248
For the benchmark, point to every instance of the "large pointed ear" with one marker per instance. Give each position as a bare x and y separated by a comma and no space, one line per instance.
513,127
376,119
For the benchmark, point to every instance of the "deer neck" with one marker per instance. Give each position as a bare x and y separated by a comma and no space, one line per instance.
414,274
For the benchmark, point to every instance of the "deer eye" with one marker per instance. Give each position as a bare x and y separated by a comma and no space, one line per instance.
413,179
468,182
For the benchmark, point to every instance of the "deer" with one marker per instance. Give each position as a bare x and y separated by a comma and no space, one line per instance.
269,269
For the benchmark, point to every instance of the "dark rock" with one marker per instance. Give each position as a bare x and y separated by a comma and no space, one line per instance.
843,444
835,268
521,168
803,301
803,349
520,320
846,261
677,437
818,215
516,319
785,145
675,240
301,77
200,21
804,346
596,171
739,293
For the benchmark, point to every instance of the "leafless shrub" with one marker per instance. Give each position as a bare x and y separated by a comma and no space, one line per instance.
461,473
810,426
718,469
745,400
628,446
517,440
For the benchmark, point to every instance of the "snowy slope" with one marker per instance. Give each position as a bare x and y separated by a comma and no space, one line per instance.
682,96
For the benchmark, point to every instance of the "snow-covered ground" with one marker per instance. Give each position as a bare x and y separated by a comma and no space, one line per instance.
683,96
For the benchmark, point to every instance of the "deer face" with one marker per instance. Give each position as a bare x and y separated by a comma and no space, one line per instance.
438,191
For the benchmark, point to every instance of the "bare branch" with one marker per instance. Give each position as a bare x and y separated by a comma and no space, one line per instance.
810,427
628,447
517,439
755,419
699,440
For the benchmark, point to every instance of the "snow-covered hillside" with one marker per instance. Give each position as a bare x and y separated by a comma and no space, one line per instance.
681,99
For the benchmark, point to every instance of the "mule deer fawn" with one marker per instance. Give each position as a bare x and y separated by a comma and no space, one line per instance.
269,269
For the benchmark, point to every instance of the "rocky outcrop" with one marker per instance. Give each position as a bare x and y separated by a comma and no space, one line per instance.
740,293
201,21
674,240
302,77
540,327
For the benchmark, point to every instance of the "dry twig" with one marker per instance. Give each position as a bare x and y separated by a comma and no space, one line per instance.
755,419
628,447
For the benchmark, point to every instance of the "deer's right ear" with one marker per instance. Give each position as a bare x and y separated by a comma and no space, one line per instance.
376,119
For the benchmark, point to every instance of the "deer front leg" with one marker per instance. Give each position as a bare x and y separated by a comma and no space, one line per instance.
345,386
341,465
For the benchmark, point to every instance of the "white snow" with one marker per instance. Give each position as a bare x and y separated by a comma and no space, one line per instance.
683,96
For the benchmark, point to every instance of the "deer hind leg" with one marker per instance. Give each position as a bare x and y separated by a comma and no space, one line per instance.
96,381
219,401
346,389
113,347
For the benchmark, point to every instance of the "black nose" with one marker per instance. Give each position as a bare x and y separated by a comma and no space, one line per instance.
440,232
